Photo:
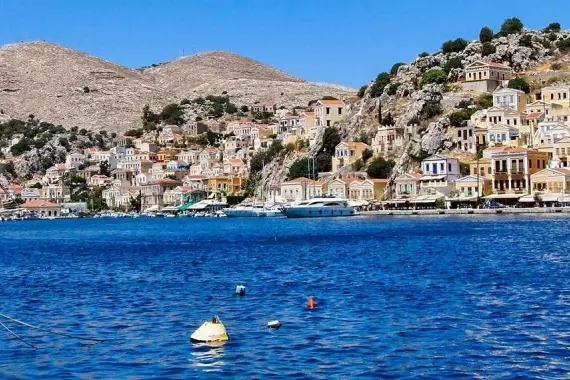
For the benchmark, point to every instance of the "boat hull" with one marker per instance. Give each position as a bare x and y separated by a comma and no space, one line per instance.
319,212
236,213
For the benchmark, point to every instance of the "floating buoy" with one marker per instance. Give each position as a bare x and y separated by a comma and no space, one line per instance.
311,304
240,290
274,324
211,331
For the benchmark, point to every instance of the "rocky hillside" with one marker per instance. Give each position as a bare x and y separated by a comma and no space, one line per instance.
410,96
72,88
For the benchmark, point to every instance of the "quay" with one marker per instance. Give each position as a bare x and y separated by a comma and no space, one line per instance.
467,211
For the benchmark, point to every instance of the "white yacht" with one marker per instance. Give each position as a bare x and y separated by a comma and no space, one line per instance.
252,211
320,207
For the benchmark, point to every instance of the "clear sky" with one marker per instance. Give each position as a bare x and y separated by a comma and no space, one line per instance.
337,41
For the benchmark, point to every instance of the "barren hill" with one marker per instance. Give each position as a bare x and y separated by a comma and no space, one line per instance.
68,87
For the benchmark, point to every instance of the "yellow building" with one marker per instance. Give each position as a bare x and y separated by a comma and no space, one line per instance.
556,181
166,155
512,168
368,189
481,167
347,153
328,112
468,186
225,185
558,94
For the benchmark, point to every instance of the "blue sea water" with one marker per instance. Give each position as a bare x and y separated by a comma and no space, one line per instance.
398,297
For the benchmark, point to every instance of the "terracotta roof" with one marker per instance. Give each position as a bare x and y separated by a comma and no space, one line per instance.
534,115
167,180
335,102
562,171
379,180
309,113
36,203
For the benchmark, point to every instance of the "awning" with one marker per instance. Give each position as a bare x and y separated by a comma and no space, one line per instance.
185,207
395,201
431,177
546,197
503,196
426,199
462,199
152,208
170,208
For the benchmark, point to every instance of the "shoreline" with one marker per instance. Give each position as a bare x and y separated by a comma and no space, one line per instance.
467,211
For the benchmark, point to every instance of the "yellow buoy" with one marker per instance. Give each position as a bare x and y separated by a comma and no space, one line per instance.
211,331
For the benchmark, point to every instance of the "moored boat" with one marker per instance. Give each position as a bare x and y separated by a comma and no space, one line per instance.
320,208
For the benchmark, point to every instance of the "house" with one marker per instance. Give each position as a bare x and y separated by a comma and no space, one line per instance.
540,106
301,188
561,153
166,155
388,139
57,193
407,185
510,97
503,115
74,160
197,128
439,172
481,76
465,138
467,187
196,182
328,112
552,181
29,194
338,188
511,169
120,196
481,168
176,165
41,207
368,189
347,153
152,193
225,184
176,196
99,180
558,94
503,134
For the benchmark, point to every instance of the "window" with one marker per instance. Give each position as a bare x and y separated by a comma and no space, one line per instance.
458,133
504,137
489,169
427,168
551,96
449,168
470,133
328,123
441,166
530,164
328,110
515,121
340,110
498,99
512,99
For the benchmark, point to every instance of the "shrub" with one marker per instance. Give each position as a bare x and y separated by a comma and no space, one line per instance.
244,109
431,109
487,49
519,84
86,89
552,36
457,118
395,67
361,91
434,76
380,168
328,97
563,45
526,40
511,26
382,80
484,100
465,103
224,92
553,27
456,45
392,88
185,101
486,34
453,63
556,66
199,100
388,119
423,54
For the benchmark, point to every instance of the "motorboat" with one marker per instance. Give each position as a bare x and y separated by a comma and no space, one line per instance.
252,211
320,208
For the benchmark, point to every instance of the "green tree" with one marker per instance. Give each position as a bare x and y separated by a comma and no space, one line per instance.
456,45
331,138
172,114
244,109
488,48
367,154
132,133
434,76
149,116
382,80
486,34
395,67
388,119
519,84
458,117
440,203
96,201
361,91
563,45
136,203
300,168
104,168
380,168
511,26
553,27
423,54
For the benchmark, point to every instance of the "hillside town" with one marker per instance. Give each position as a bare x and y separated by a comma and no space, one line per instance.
517,150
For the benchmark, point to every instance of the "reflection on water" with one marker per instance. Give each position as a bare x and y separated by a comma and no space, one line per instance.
208,357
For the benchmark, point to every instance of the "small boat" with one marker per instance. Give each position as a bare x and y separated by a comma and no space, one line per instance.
320,208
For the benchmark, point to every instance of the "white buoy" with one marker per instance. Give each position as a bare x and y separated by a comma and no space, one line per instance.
240,290
274,324
211,331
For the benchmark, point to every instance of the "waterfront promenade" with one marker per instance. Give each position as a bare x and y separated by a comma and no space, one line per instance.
467,211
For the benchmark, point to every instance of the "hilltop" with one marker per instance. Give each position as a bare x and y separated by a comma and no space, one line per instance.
68,87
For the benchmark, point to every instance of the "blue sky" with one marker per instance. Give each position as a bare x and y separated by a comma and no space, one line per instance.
344,42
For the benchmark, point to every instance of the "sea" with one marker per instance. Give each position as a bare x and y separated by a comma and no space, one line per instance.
417,297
